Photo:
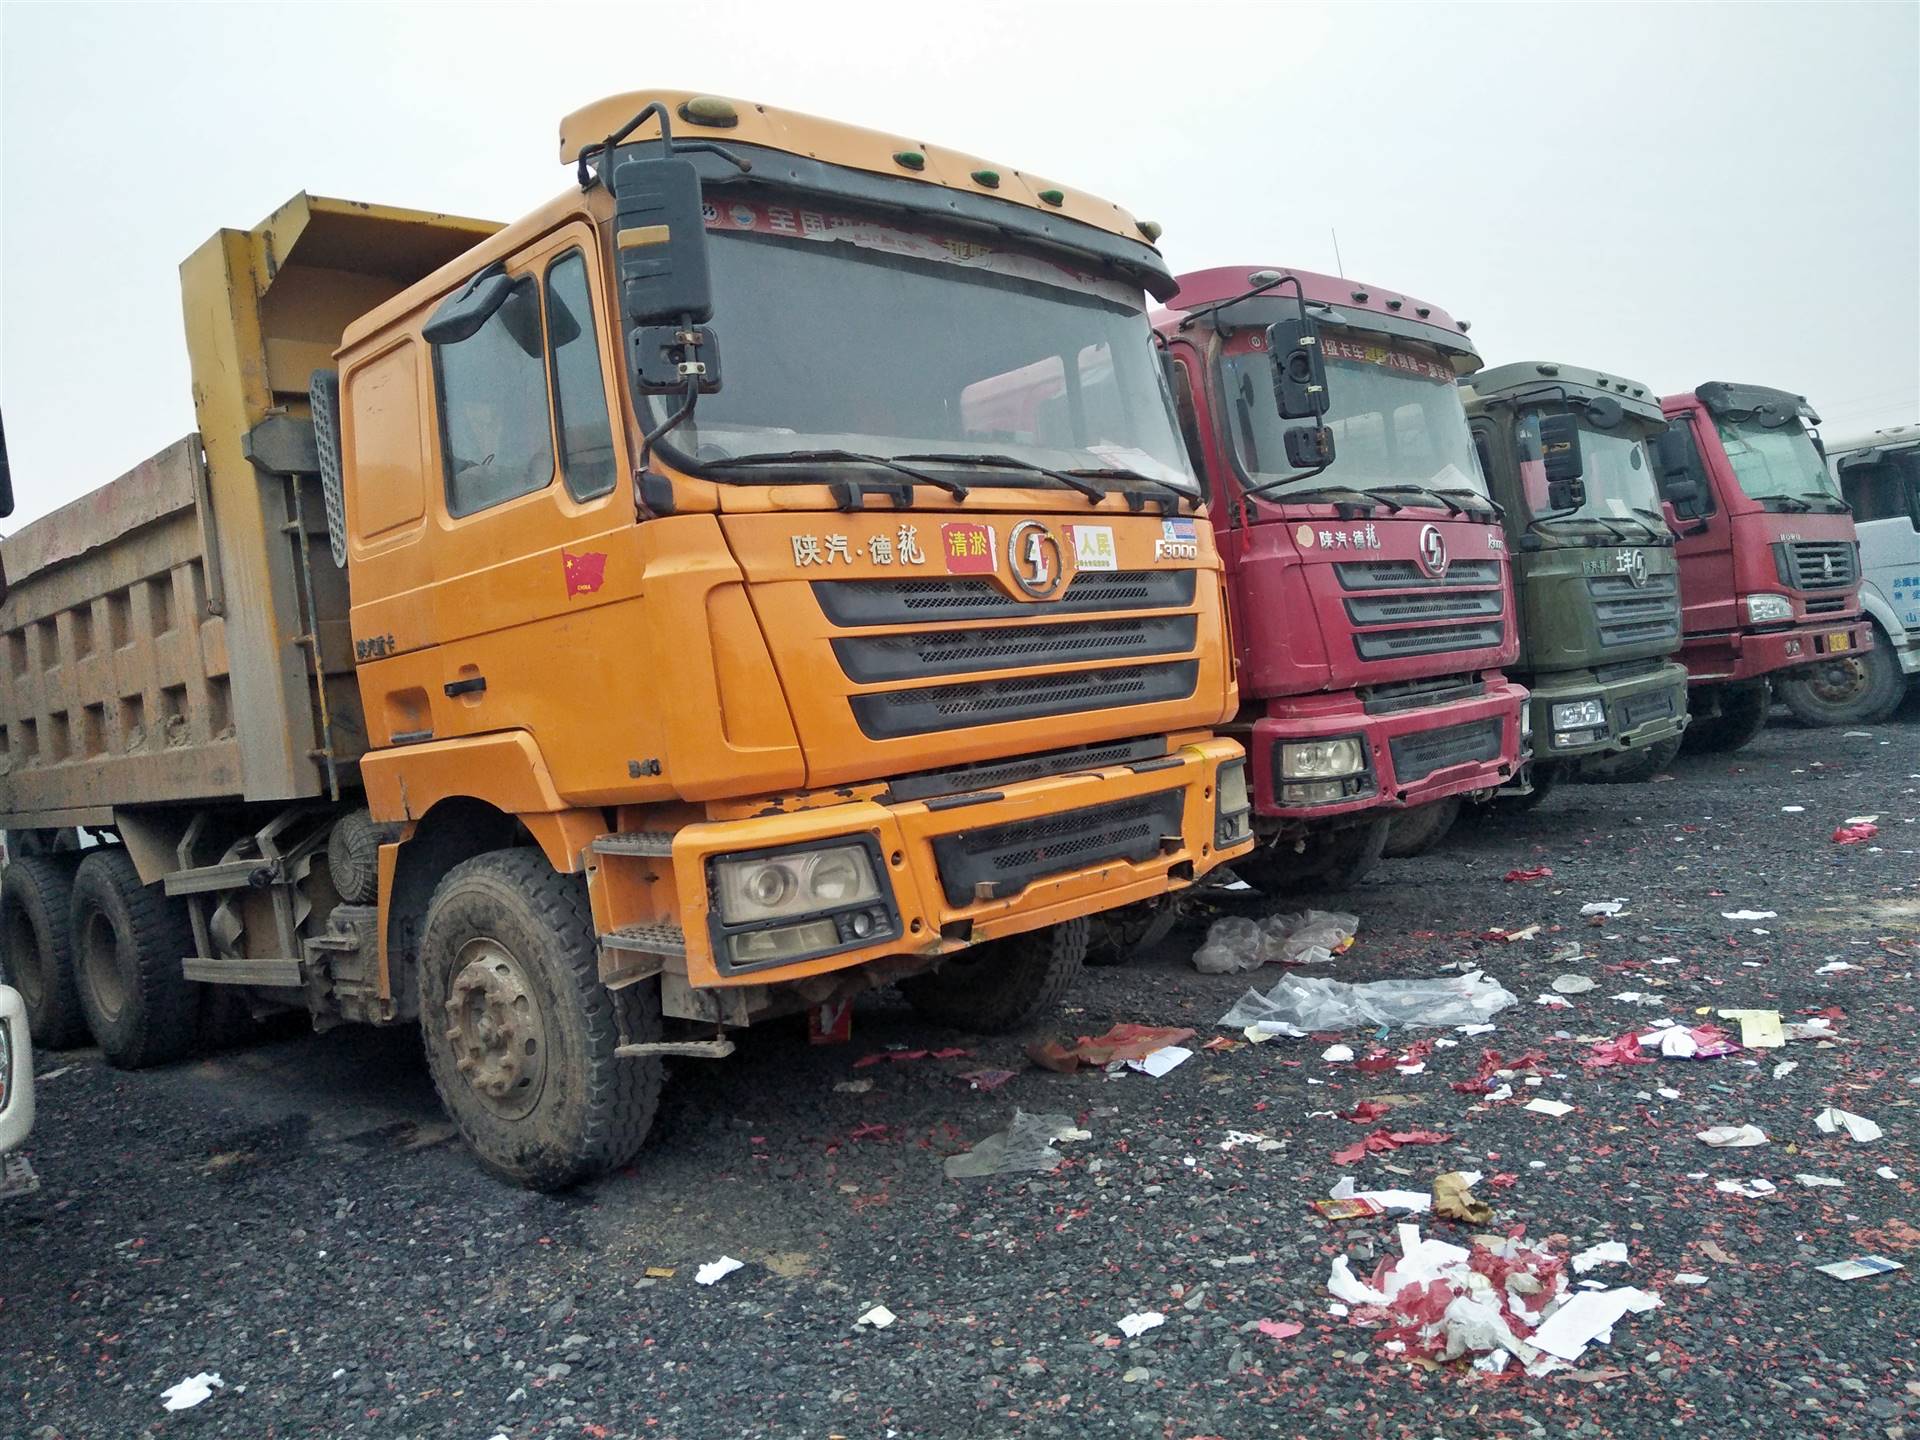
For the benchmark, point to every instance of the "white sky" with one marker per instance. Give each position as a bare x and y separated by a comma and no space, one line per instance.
1675,193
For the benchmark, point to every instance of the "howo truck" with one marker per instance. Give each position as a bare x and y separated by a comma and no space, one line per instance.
1595,583
588,636
1879,478
1769,562
1366,567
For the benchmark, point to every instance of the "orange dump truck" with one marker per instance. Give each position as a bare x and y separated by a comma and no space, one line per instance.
594,634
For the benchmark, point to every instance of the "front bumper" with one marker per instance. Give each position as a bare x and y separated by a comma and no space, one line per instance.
1725,657
1414,756
978,866
1639,711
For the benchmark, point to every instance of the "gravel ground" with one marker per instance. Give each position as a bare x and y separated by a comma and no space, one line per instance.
296,1216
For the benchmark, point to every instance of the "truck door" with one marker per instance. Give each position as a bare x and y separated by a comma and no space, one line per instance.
1704,550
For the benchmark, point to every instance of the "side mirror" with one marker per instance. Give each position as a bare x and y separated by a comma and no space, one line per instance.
1299,369
1672,517
1681,489
662,242
1913,497
462,314
1309,447
1560,449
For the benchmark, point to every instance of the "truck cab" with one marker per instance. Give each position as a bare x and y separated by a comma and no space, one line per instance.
16,1078
1879,477
1596,585
1370,595
1769,560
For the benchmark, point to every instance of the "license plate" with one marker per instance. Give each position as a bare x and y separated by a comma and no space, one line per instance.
1840,640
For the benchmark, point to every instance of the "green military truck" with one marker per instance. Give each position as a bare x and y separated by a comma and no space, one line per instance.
1596,585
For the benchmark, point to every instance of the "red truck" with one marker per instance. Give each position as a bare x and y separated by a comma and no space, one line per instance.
1368,583
1769,561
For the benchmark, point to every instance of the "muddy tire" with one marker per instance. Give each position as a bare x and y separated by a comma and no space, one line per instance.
353,857
1632,767
36,898
129,940
1332,860
1742,715
1119,935
520,1033
1002,985
1863,689
1416,831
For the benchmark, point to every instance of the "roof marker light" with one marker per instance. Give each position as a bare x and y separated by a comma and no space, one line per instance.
1395,304
1463,325
1548,369
1360,297
989,178
709,110
1263,277
910,159
1423,311
1054,197
1151,229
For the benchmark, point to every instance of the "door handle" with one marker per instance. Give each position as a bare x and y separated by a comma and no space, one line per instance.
472,685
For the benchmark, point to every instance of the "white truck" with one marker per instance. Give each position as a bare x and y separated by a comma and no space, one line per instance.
16,1093
1879,476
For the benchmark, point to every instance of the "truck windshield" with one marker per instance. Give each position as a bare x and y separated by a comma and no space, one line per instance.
841,333
1396,418
1781,463
1615,470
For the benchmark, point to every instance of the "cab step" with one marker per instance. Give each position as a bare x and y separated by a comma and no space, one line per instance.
636,842
660,939
691,1049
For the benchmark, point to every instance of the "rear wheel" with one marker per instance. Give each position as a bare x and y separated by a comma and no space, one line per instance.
1543,777
36,894
1328,859
1416,831
1742,714
129,941
1632,767
1861,689
1002,985
520,1033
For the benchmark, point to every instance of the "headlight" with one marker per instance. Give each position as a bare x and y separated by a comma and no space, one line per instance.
800,883
1768,609
1579,715
1232,807
1317,759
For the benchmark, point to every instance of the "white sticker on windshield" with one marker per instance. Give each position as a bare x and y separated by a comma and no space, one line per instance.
1129,457
1093,547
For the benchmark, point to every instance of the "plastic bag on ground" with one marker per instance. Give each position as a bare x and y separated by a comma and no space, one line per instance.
1025,1145
1313,1002
1310,937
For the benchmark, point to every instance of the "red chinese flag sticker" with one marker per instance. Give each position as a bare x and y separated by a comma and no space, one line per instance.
585,573
967,547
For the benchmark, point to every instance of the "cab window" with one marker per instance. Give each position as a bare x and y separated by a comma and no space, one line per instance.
579,391
496,437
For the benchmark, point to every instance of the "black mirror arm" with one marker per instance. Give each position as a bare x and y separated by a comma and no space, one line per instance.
589,178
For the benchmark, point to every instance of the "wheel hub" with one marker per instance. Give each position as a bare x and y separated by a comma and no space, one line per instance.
496,1030
24,965
100,965
1835,682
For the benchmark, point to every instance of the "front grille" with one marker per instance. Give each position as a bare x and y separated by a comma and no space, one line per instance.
1418,755
1827,605
1398,609
991,774
1628,669
1428,640
1403,574
1637,710
1401,695
944,598
1815,564
895,713
868,659
1002,860
1629,614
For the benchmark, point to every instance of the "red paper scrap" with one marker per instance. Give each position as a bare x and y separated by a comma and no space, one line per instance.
1538,872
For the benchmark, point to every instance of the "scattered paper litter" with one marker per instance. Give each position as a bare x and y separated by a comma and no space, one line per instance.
1859,1129
1749,914
1832,967
1759,1029
1785,1068
1812,1181
1161,1061
1751,1189
1137,1324
1122,1042
1453,1199
1733,1137
1793,809
1887,1172
1417,1200
879,1317
1608,1252
1860,1267
1555,1108
1571,984
1026,1144
716,1269
1279,1329
191,1391
1589,1317
1473,1030
1603,907
853,1087
1556,1002
1337,1053
1688,1278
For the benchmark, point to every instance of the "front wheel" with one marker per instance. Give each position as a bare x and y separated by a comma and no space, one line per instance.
1416,831
1741,715
1002,985
1632,767
1326,859
1119,935
1861,689
520,1033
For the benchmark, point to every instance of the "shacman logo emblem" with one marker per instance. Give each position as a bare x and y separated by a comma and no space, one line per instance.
1633,564
1433,551
1033,558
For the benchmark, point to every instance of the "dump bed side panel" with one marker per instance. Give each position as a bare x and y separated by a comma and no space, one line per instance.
115,679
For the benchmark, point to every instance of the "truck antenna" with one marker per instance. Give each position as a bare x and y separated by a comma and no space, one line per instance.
1338,263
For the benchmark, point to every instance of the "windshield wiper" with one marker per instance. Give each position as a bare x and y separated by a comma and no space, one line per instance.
1652,519
1792,503
1440,495
1475,497
1339,494
1120,472
839,457
1093,492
